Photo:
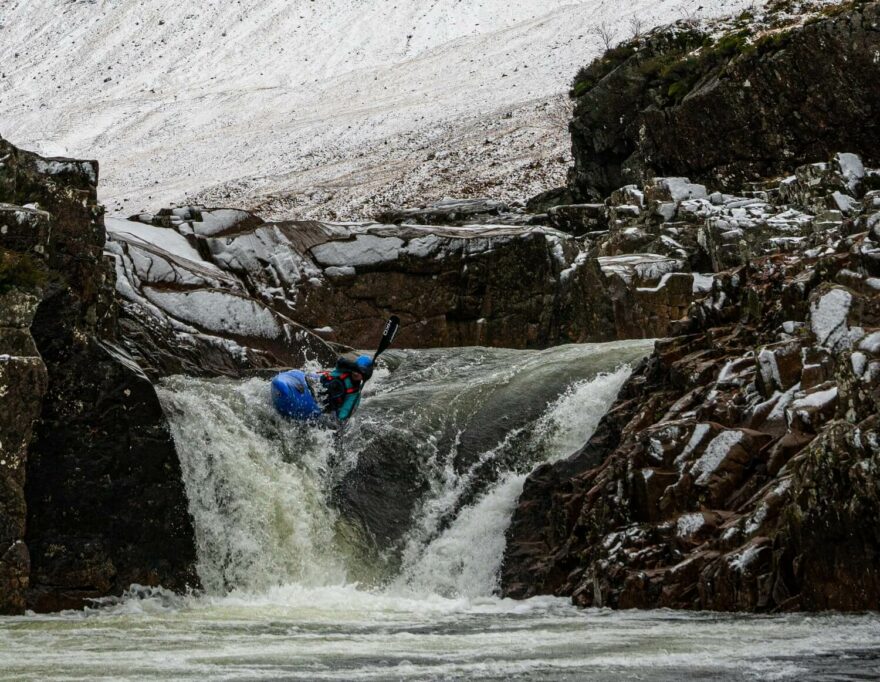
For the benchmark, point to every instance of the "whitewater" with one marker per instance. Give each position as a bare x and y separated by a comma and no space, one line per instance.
294,586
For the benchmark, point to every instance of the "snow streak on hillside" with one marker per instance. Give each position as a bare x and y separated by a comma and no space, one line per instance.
330,108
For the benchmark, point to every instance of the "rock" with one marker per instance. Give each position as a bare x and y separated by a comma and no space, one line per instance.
676,103
448,212
184,314
737,470
543,202
513,286
579,219
22,386
98,502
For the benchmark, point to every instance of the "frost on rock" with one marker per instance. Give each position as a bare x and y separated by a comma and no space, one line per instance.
218,311
851,168
689,524
703,283
681,189
641,267
344,271
166,239
769,368
265,247
828,317
871,343
364,249
699,434
75,166
817,399
740,561
219,220
715,454
422,247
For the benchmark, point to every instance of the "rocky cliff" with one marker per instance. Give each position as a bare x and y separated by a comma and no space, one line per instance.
220,291
91,498
738,468
743,101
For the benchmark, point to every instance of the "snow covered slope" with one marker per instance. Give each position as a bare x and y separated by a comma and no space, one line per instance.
327,108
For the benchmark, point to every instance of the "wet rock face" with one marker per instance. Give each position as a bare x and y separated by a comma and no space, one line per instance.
92,498
743,107
737,470
280,290
22,385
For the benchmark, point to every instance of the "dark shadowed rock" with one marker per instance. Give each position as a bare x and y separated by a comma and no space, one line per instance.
102,491
745,106
457,212
23,382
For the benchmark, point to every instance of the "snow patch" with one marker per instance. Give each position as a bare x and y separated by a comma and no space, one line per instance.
365,249
828,318
217,311
688,524
715,454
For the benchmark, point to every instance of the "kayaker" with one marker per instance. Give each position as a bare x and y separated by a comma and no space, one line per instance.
342,386
309,397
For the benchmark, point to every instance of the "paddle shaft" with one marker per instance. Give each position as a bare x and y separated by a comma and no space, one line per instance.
388,335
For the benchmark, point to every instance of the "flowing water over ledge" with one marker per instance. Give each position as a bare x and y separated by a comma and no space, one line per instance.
297,588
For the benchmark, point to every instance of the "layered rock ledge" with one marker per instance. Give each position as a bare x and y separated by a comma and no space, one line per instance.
220,291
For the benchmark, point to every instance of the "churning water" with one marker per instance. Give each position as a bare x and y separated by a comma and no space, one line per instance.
318,562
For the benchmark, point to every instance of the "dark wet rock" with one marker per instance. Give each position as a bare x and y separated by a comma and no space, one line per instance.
745,106
457,212
737,469
23,382
579,219
384,517
543,202
92,498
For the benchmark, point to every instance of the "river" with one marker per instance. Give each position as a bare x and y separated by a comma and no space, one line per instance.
376,556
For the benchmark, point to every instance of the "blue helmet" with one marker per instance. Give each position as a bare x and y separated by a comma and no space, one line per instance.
365,365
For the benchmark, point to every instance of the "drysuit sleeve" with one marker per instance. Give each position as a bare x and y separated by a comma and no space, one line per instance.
348,408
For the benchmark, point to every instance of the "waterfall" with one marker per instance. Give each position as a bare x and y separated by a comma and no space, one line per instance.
475,421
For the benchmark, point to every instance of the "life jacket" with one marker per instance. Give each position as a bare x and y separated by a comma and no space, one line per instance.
337,391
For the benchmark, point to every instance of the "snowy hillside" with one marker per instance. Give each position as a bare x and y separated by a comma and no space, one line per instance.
330,108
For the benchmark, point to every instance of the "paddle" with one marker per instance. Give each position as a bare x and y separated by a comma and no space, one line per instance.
388,335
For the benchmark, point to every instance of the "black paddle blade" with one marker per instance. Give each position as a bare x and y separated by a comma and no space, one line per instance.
388,335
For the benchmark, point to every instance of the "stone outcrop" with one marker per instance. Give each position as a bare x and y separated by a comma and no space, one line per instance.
23,382
737,470
199,293
279,293
745,105
91,498
459,212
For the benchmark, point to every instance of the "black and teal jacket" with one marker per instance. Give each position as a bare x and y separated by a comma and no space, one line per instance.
343,391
